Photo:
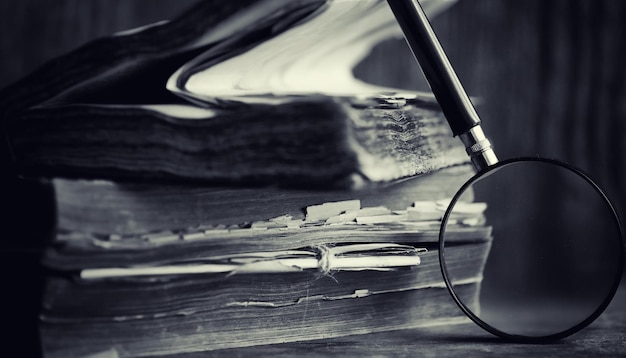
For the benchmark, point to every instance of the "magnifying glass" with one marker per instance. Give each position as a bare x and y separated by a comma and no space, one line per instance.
557,253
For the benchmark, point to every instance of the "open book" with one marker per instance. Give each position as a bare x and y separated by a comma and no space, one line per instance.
250,91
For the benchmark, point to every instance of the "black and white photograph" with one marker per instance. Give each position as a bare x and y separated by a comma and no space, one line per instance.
313,178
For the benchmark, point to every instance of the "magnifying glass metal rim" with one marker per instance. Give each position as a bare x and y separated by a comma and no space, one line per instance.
524,338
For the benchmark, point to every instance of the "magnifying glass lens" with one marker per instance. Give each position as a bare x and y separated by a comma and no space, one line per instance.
556,251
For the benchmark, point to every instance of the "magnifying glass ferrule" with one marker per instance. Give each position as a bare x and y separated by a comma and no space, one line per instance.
479,148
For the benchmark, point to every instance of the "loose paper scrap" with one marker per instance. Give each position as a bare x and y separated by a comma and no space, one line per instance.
324,211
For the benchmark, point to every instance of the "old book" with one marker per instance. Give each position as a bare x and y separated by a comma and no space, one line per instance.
246,92
222,180
345,270
137,261
327,270
126,208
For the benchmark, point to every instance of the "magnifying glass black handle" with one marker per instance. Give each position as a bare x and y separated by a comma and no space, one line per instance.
454,101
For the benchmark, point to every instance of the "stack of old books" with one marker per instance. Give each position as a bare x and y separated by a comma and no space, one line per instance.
222,180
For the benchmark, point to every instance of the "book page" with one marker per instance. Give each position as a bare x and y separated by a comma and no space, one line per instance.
315,56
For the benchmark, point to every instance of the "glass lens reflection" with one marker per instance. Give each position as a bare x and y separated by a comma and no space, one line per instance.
556,251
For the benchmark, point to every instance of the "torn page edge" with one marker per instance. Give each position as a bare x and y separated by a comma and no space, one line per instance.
360,293
422,215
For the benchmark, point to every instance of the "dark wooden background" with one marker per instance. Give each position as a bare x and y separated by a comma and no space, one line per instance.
550,73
